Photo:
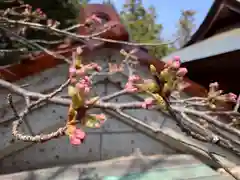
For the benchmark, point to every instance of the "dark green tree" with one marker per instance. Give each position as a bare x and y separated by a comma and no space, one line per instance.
64,11
142,26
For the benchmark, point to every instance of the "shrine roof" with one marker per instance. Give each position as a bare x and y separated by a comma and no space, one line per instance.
218,44
219,10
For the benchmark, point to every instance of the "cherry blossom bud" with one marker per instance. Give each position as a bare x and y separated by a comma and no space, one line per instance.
182,72
130,88
80,86
232,97
38,10
177,58
73,80
147,103
97,125
77,136
86,89
72,70
100,117
213,87
134,78
168,63
87,80
175,64
80,72
79,50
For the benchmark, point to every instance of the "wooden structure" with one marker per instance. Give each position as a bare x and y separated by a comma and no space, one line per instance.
213,52
118,136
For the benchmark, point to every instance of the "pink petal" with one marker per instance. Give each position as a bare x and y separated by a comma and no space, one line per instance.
75,141
169,63
175,65
176,58
102,121
232,95
79,50
214,85
182,72
80,72
98,68
97,125
79,134
134,78
80,86
73,80
144,105
87,79
149,101
86,90
72,70
130,88
100,117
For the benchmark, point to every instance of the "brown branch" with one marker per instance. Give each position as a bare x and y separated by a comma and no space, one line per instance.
55,55
21,116
77,36
210,119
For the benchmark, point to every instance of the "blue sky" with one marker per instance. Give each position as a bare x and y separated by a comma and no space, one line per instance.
169,11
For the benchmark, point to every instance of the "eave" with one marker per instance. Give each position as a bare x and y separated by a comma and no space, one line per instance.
218,44
216,12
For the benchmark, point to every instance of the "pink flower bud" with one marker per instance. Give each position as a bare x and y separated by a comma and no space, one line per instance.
182,72
75,141
177,58
80,86
168,63
134,78
79,50
80,72
214,85
130,88
100,117
147,103
79,133
97,125
38,10
77,136
232,97
73,80
72,70
87,90
98,68
175,64
87,79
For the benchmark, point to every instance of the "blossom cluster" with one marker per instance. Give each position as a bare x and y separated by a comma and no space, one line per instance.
168,80
28,11
172,75
216,96
79,91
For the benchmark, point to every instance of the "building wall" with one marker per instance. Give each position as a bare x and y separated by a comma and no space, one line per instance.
114,139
